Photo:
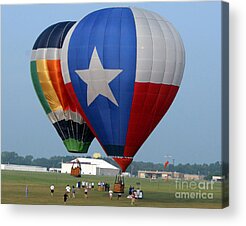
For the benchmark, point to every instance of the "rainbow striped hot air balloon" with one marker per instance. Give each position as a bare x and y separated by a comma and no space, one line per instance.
123,66
47,79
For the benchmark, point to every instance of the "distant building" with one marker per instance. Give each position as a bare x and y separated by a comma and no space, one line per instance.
55,170
168,175
193,177
90,166
159,174
23,168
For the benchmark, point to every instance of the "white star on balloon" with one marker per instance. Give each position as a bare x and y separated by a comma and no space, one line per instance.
97,79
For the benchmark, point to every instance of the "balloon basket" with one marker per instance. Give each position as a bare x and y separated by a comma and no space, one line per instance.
76,169
119,184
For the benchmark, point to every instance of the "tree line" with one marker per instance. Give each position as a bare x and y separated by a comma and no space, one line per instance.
55,161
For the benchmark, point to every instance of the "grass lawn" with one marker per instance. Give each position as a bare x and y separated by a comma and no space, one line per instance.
157,193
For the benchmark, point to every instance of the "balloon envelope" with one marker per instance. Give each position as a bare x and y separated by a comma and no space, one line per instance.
125,66
51,91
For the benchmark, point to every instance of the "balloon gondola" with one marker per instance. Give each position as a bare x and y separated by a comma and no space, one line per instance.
76,169
119,184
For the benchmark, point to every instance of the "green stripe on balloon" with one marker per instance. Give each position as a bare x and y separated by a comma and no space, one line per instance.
75,146
38,88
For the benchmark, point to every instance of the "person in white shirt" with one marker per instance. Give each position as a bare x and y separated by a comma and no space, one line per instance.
52,190
86,193
68,189
110,194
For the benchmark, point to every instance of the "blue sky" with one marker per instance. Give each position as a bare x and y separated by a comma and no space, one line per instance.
190,131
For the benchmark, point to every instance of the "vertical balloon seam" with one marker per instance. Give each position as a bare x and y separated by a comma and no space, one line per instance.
108,102
63,32
120,113
135,19
164,69
119,142
149,129
71,144
169,90
183,53
77,125
101,12
69,119
67,114
96,16
76,111
132,96
119,50
132,101
137,47
80,140
151,68
115,141
176,53
159,96
165,55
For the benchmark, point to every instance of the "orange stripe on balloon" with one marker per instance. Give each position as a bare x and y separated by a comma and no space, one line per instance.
47,86
54,68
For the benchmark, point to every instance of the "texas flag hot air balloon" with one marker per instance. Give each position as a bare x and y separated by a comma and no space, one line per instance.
48,83
123,66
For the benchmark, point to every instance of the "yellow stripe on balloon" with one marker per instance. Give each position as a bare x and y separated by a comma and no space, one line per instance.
47,87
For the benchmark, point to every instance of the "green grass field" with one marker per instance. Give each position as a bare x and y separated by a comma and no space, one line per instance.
157,193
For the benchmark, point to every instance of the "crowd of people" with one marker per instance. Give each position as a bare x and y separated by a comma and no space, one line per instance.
102,186
84,185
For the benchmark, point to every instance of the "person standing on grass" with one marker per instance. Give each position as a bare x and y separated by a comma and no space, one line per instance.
133,198
86,193
26,191
52,190
110,194
68,189
65,196
73,191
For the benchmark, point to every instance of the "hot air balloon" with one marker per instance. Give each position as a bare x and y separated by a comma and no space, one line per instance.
123,66
49,86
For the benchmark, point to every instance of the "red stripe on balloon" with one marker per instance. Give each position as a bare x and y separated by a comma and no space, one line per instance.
150,103
123,162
